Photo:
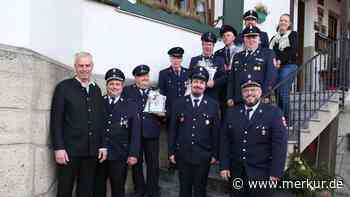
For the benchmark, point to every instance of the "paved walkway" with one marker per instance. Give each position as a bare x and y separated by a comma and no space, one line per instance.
343,154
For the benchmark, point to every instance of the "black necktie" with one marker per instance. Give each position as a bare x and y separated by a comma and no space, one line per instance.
196,103
112,99
247,112
144,92
250,52
228,56
207,57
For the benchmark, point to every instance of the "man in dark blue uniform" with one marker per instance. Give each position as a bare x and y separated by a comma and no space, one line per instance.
228,34
251,19
194,136
215,64
252,63
150,130
122,134
173,80
253,143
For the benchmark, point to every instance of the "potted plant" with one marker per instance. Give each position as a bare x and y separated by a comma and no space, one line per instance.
262,11
299,170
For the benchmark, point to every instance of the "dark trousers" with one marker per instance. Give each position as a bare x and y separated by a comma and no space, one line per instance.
116,171
246,191
80,168
193,176
150,150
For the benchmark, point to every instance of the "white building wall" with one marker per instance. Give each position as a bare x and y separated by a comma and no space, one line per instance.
14,19
58,29
126,41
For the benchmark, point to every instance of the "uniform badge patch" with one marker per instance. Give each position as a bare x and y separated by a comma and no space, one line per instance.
207,122
263,131
182,118
284,121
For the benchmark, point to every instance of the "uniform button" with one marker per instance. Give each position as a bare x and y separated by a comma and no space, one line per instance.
243,149
192,143
143,105
109,122
107,130
110,115
89,110
193,135
245,132
243,158
90,133
244,141
194,119
193,127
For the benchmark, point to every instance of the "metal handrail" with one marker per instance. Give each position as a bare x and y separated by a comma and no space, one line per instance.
315,82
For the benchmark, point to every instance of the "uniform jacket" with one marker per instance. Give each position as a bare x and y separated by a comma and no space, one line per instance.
150,123
122,129
259,144
194,133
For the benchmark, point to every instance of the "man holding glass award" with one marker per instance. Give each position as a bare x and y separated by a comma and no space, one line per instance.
150,106
213,64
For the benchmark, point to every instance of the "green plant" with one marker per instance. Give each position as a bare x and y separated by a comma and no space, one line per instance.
299,170
261,8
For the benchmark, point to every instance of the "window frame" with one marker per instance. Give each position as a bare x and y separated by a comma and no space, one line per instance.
161,16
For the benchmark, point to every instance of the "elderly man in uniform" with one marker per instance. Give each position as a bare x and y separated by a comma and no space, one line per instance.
214,63
253,142
228,34
173,80
252,63
122,134
194,135
76,124
251,19
150,131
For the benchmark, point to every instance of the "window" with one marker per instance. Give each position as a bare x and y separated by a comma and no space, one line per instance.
321,42
199,10
193,15
332,27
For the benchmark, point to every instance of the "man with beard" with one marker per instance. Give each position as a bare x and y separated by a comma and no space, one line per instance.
252,63
251,19
173,80
122,133
76,126
209,61
253,142
150,130
193,136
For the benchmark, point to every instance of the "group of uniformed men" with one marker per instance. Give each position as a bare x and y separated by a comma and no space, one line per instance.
223,119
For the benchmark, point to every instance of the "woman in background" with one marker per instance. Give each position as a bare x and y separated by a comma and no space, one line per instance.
285,45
